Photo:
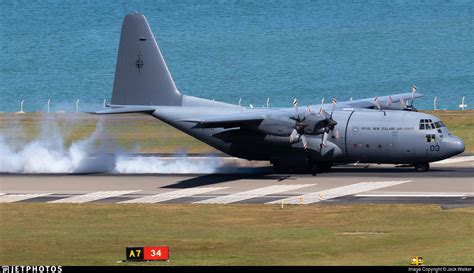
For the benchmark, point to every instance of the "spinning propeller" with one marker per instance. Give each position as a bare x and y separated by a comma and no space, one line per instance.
317,125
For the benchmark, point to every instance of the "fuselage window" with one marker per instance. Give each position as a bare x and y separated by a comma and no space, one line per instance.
430,138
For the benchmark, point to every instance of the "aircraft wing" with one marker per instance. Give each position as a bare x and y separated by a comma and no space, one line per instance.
243,119
382,100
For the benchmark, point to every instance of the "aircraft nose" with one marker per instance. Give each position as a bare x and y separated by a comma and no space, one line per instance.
456,145
460,145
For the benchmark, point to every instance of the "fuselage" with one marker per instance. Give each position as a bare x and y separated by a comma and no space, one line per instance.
361,135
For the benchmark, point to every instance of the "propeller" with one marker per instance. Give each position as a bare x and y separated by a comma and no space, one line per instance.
300,131
330,126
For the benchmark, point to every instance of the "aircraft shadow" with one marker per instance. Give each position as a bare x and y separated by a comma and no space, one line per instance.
211,179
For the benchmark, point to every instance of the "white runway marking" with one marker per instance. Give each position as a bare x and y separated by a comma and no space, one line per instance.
9,198
338,192
236,197
455,160
93,196
411,195
161,197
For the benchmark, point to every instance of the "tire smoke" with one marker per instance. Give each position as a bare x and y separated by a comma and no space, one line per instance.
48,153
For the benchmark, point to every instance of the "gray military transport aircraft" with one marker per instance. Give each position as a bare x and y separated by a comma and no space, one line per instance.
381,130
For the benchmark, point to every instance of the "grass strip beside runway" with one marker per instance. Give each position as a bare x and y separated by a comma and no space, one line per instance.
97,234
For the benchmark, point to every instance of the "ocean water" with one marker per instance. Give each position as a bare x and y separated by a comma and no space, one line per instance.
254,50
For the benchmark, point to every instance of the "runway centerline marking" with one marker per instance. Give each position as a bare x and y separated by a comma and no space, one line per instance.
161,197
93,196
315,197
236,197
10,198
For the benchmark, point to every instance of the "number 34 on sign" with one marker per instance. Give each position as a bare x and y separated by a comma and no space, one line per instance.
147,253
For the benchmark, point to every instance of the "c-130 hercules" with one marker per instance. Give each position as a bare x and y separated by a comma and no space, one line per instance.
384,130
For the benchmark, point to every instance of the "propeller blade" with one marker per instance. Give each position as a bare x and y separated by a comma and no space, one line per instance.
295,106
413,91
376,102
334,102
294,135
325,138
336,133
402,104
389,101
305,143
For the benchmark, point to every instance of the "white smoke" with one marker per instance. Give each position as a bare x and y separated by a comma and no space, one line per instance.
49,154
175,165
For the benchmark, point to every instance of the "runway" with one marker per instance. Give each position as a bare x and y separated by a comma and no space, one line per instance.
449,183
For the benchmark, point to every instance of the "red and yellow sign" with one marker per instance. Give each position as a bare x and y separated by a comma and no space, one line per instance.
147,253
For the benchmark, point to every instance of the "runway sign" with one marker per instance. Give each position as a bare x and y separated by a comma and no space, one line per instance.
147,253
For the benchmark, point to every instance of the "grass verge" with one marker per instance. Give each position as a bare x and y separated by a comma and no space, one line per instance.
96,234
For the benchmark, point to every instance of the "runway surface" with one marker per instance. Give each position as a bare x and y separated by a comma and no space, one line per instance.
449,183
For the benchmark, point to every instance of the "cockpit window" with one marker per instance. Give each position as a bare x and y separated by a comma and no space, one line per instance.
426,124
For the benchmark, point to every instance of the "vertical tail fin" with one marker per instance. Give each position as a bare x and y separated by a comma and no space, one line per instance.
141,75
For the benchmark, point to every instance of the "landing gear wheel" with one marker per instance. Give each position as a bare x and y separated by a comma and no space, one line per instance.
422,167
314,169
325,167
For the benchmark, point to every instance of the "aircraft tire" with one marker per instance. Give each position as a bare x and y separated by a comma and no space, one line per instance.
422,167
325,167
314,169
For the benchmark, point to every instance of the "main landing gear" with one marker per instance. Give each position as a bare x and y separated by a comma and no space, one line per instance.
422,167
